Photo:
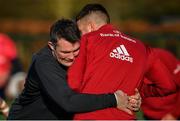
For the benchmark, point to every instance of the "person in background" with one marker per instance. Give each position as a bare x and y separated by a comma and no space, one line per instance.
5,69
156,108
47,95
110,60
8,49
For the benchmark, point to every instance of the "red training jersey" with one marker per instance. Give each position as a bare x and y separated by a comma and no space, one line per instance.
108,61
157,107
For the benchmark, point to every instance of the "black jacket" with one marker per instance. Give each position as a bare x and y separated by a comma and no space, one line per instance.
47,96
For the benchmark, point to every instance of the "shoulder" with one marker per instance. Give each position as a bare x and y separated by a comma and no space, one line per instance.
43,56
47,63
91,35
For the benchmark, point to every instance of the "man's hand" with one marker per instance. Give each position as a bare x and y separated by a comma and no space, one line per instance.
122,101
4,108
168,117
135,101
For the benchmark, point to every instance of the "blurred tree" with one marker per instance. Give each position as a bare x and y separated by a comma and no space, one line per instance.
152,10
35,9
28,21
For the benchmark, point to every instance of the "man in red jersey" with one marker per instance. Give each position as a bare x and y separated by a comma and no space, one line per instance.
109,60
164,107
5,69
9,50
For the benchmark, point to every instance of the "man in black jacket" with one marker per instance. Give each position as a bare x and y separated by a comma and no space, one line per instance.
46,94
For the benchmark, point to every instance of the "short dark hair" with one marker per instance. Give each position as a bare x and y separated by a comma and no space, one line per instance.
89,8
64,28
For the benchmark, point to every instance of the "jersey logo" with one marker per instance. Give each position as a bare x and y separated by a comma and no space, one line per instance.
121,53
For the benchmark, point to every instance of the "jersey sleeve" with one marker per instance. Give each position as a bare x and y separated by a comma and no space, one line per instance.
175,112
76,71
176,72
162,80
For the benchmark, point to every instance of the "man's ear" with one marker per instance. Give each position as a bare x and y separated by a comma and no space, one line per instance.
50,44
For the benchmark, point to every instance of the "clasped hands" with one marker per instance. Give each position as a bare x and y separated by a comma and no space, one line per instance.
127,103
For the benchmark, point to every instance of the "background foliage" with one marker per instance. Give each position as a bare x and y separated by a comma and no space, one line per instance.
155,22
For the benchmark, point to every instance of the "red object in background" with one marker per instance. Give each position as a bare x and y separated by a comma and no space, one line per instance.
155,108
7,47
5,69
